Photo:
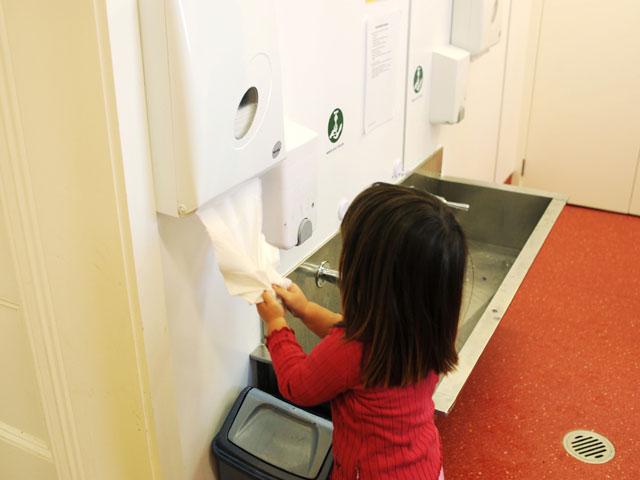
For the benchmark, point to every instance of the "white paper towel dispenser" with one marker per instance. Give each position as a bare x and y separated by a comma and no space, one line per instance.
213,81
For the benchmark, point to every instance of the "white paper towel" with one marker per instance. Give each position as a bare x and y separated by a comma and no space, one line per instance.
246,260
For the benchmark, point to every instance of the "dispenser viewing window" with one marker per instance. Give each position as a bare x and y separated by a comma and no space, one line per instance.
246,113
213,81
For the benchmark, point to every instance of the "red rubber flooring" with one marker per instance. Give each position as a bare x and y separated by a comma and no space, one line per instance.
566,356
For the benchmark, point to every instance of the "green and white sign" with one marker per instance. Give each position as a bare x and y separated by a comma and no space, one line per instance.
336,124
418,77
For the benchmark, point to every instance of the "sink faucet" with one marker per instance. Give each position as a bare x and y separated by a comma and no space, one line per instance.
458,206
322,273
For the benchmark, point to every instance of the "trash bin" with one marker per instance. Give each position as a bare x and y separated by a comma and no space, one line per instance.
268,439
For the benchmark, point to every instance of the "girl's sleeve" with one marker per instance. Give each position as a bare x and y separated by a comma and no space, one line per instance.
331,368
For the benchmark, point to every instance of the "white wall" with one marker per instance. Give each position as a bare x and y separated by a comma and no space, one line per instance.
430,27
212,335
322,48
328,53
132,117
484,146
516,96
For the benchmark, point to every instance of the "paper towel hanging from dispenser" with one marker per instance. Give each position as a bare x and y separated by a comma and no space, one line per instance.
213,82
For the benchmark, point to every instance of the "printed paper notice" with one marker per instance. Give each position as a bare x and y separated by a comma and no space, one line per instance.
382,64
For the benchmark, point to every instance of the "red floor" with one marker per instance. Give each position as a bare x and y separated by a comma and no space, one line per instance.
566,356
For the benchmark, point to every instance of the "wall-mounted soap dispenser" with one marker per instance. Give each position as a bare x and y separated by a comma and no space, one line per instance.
289,189
449,75
213,82
476,25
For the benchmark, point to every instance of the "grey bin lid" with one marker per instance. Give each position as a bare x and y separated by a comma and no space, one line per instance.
282,435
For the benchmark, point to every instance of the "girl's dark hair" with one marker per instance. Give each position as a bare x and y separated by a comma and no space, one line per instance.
401,276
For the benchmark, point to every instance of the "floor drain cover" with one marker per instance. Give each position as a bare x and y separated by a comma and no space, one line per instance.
588,447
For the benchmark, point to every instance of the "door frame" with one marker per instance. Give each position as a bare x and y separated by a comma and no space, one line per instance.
114,24
38,314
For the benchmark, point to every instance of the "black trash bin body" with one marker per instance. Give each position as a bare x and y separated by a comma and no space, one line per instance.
268,439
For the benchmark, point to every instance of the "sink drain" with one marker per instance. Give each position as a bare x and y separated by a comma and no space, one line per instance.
588,447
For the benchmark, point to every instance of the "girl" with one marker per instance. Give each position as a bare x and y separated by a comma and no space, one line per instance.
401,275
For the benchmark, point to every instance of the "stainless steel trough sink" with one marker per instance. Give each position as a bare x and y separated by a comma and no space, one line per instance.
505,226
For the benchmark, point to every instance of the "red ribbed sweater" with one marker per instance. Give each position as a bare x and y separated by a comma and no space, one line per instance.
378,433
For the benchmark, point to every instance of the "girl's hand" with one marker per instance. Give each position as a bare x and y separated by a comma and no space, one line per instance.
271,313
294,299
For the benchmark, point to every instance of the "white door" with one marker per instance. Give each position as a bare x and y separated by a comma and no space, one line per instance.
635,200
24,441
584,131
